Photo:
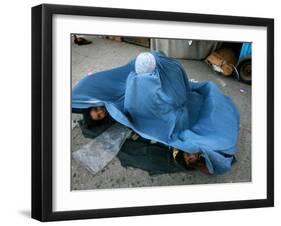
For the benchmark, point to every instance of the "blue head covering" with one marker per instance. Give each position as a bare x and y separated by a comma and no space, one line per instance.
162,105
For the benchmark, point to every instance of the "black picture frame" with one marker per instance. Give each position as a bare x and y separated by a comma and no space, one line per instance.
42,111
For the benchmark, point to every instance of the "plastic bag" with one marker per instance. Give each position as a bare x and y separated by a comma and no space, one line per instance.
95,155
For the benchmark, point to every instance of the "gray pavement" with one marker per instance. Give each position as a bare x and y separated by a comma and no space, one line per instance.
104,54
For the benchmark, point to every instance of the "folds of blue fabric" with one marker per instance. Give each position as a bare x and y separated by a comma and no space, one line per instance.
166,107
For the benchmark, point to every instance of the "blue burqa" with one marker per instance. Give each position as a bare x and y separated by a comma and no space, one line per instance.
166,107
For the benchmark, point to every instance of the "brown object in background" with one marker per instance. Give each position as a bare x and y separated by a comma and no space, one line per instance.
223,60
115,38
145,42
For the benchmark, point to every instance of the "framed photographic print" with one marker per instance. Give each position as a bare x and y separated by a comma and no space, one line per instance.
146,112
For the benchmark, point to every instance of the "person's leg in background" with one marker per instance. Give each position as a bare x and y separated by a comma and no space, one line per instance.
80,40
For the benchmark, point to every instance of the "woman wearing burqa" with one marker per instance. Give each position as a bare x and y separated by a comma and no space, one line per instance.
153,96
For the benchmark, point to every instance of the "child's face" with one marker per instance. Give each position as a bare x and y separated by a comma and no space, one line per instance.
190,158
98,113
